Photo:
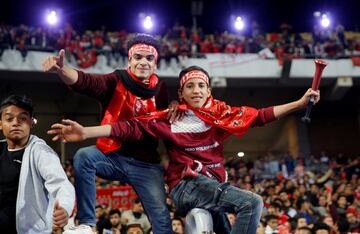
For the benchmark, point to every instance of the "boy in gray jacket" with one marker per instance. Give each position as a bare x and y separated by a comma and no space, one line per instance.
35,194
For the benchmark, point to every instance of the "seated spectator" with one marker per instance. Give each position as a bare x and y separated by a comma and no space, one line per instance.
260,229
101,220
136,215
321,228
134,228
322,207
115,221
271,224
305,209
178,225
287,204
354,224
330,222
300,222
303,230
231,217
338,210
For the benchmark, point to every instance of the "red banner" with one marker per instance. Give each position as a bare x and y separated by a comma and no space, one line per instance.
355,60
118,197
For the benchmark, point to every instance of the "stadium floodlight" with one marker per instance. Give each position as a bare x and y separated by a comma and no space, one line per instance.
52,17
148,23
239,23
240,154
325,21
317,14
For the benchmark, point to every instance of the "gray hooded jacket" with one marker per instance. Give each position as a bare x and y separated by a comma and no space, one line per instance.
42,182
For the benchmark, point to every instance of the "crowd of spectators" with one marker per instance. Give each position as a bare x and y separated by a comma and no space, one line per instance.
301,195
180,43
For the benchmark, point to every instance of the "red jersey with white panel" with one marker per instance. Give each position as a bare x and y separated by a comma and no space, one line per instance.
186,140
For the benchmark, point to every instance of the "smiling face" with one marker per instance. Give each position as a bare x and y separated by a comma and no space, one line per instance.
16,124
195,92
142,64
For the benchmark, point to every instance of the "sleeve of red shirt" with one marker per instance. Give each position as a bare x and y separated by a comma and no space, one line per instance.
126,130
134,130
100,87
266,115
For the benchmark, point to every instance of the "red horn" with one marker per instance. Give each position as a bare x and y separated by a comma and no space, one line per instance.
319,67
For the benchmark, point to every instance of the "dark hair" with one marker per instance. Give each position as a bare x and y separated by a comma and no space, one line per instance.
180,219
305,229
299,216
136,200
134,225
100,206
277,204
22,101
270,217
114,211
301,201
320,226
142,38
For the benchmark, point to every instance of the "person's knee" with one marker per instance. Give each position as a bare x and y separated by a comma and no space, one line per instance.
252,202
82,157
159,205
155,205
257,202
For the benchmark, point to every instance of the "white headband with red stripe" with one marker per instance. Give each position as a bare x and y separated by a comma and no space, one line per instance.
194,74
143,47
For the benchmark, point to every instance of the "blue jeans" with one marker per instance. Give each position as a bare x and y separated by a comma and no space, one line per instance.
147,180
203,192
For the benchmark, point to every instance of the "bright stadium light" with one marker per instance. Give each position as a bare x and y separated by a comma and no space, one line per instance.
52,17
325,21
148,23
239,23
240,154
317,13
322,18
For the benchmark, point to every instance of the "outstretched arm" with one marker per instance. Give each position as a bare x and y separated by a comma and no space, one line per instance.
56,64
285,109
71,131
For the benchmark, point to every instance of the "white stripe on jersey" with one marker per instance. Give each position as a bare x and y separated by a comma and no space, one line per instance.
189,123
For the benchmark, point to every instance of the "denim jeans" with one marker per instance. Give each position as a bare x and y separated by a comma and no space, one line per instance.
203,192
147,180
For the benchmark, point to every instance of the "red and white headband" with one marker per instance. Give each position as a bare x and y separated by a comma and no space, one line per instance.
194,74
143,47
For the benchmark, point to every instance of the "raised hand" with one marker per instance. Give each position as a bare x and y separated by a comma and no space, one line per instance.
67,131
309,94
174,113
54,63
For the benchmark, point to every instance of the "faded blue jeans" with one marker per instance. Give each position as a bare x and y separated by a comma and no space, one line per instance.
203,192
147,180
